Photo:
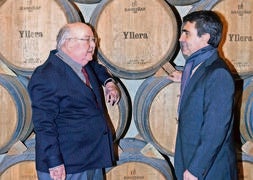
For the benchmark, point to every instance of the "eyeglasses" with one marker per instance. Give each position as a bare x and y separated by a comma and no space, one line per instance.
87,40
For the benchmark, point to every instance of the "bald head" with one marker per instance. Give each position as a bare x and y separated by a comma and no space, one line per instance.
77,41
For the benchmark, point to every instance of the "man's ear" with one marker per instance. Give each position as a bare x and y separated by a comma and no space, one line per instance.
205,37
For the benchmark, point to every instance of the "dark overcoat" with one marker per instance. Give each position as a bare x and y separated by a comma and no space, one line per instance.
204,142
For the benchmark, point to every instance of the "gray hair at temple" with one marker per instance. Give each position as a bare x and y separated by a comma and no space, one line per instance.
63,34
207,22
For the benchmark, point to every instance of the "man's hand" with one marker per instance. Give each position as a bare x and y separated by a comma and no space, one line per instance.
175,76
58,172
112,93
189,176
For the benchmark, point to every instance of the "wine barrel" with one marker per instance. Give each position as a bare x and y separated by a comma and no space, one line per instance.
15,112
238,41
132,164
119,115
182,2
87,1
133,42
155,112
19,167
28,31
244,108
244,166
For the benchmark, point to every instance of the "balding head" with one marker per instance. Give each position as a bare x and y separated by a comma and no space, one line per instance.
71,30
77,41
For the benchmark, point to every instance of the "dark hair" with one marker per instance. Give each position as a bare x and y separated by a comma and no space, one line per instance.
206,22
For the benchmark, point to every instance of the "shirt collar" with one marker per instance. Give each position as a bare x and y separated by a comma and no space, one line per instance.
74,65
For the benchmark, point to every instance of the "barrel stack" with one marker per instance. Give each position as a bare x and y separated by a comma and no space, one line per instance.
136,38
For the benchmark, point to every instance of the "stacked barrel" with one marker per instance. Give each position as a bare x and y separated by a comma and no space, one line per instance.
136,38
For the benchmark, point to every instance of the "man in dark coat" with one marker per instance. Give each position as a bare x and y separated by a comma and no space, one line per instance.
73,140
204,144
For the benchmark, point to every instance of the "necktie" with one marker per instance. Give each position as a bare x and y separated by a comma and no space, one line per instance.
86,77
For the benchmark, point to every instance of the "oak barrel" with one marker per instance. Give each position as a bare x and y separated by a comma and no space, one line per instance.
28,31
182,2
133,164
244,108
237,44
15,112
87,1
244,166
19,167
133,43
155,112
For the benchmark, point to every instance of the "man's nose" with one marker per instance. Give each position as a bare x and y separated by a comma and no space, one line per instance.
181,38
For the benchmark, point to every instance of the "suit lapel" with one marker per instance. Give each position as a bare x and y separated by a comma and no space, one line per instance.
76,82
79,84
94,83
196,77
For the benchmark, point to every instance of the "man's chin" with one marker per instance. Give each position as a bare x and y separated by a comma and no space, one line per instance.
184,54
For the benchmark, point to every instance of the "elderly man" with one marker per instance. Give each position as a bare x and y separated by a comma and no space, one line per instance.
73,140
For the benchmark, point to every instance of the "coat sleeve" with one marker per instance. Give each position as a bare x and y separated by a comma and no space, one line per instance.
217,113
101,71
